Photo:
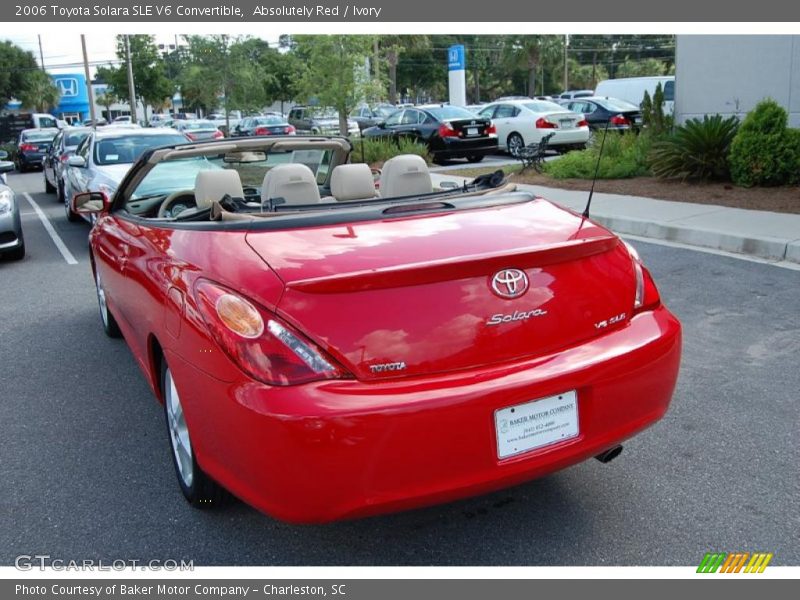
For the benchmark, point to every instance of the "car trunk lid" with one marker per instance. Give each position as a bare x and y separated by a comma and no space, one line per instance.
416,296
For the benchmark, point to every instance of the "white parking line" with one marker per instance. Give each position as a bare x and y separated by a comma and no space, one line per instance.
62,247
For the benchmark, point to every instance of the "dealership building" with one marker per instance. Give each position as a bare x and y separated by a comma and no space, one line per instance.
730,74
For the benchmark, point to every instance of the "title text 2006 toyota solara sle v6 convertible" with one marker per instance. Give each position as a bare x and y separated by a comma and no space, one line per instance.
330,342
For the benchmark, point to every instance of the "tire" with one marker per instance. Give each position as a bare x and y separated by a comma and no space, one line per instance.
110,326
49,189
60,192
19,252
198,488
72,217
475,158
514,143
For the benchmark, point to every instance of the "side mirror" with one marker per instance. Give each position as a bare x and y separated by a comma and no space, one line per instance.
3,155
90,203
6,166
76,161
382,124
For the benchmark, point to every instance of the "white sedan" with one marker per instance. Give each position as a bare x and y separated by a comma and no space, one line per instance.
523,122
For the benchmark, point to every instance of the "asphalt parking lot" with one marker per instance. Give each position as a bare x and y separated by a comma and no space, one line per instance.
85,469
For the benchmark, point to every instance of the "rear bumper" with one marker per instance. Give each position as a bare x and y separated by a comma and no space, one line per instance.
458,148
570,137
340,449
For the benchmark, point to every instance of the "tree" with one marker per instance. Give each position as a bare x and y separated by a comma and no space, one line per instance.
534,53
646,67
149,78
391,47
222,68
107,98
336,72
15,66
39,91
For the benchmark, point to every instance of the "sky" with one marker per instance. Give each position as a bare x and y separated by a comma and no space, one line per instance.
62,51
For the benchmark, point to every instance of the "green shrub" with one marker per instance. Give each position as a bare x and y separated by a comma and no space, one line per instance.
379,150
654,119
696,150
765,151
624,156
11,150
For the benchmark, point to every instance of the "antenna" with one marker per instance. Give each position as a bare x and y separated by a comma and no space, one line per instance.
596,171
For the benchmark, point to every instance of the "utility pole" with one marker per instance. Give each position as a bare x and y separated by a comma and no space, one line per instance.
88,82
41,54
131,90
566,63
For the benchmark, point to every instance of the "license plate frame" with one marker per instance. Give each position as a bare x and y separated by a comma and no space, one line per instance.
536,424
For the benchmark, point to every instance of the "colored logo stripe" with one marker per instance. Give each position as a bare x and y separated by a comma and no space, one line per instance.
734,562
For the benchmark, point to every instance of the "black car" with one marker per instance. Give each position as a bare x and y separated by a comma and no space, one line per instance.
367,116
448,131
269,124
620,115
32,147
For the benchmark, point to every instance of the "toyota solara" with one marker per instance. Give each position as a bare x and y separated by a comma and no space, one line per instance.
324,350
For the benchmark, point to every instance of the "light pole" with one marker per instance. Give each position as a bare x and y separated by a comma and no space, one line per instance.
131,90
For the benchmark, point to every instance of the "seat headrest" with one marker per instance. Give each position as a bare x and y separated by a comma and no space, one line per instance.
352,182
212,185
405,175
294,182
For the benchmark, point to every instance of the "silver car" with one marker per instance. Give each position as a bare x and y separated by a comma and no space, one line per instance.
105,156
12,243
54,164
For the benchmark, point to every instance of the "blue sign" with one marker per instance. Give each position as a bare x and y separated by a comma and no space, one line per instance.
455,58
74,94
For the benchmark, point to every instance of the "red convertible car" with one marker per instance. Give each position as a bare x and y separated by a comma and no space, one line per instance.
324,350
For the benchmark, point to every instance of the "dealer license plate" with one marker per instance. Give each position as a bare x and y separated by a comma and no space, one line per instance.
535,424
472,131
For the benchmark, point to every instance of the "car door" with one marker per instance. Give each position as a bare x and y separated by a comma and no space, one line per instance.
393,124
78,177
505,120
409,126
49,162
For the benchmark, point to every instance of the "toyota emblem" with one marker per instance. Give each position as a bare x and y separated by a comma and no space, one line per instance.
510,283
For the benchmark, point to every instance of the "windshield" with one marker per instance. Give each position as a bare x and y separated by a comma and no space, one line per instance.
47,122
194,125
444,113
616,104
176,175
73,139
270,120
126,149
543,106
39,136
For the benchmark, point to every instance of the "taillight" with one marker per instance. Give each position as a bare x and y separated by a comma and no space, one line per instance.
445,131
542,123
646,296
583,123
289,130
260,344
28,148
261,131
619,120
218,135
64,158
491,129
191,136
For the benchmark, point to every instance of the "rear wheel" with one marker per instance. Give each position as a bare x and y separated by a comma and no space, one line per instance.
198,488
514,143
72,217
49,189
109,322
